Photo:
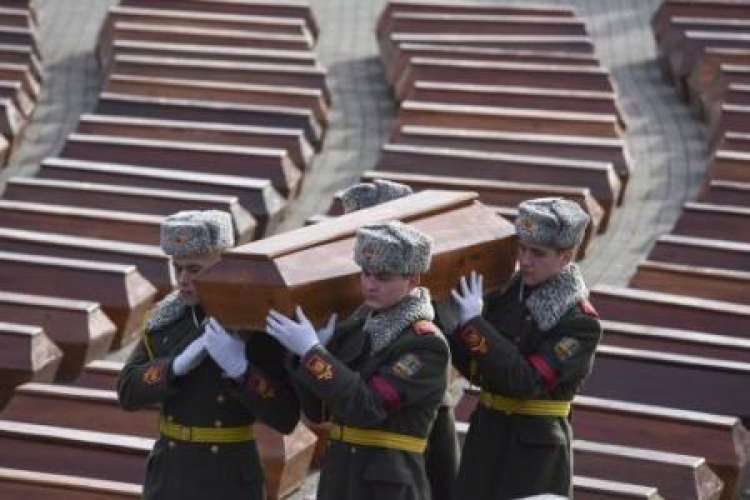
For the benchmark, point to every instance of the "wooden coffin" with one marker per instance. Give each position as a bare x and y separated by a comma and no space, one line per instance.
272,8
702,251
314,267
100,374
291,140
124,293
79,328
257,196
20,483
695,280
26,353
658,378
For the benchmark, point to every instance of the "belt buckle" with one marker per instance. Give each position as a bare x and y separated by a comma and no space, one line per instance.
185,433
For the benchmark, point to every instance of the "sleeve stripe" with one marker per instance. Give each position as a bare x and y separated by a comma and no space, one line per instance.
386,391
548,374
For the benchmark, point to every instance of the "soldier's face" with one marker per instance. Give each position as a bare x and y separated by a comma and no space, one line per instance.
538,263
186,270
383,290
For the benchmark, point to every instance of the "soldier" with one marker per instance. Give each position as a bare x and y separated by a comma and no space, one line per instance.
528,347
211,384
379,377
441,455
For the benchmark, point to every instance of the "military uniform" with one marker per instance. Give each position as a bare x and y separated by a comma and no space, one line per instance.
380,376
206,449
529,353
381,402
441,455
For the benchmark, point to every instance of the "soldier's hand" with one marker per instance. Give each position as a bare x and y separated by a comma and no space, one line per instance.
298,337
325,333
227,349
469,297
189,358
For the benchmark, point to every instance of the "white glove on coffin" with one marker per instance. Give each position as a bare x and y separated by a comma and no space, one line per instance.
470,299
300,337
325,333
226,349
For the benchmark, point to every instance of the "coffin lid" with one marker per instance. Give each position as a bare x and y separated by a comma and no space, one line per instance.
313,266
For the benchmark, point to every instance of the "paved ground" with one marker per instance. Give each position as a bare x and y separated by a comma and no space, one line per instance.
665,141
67,34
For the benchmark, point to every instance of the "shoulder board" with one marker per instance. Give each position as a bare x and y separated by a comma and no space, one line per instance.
588,308
424,327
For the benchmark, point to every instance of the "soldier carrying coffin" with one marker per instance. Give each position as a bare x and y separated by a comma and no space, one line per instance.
211,384
379,376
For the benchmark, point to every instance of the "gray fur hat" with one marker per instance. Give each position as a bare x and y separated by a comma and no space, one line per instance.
551,222
192,233
393,247
368,194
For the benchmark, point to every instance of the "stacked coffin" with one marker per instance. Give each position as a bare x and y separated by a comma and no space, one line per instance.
20,71
207,104
508,101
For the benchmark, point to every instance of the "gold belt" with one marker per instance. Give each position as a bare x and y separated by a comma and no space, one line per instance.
206,434
380,439
539,407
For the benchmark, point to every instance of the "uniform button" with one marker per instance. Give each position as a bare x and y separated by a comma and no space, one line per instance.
165,340
220,399
214,449
352,450
218,423
170,418
171,445
517,339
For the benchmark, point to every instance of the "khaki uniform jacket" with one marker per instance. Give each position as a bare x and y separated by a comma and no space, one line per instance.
398,390
504,352
206,398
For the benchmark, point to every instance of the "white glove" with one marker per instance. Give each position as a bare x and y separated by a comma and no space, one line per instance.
226,349
190,357
299,338
469,299
325,333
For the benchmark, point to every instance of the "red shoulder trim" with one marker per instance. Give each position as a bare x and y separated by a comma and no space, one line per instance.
588,308
549,376
424,327
389,394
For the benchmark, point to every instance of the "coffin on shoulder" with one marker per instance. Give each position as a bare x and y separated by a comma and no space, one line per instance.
314,267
